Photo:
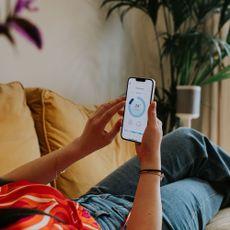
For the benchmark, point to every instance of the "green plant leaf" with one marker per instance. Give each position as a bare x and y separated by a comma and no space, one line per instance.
206,70
114,7
153,8
116,4
228,37
105,2
181,11
223,74
207,8
225,14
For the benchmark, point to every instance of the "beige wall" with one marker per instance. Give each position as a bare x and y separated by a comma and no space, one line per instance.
85,57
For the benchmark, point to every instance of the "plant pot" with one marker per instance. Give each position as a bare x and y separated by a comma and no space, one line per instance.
188,103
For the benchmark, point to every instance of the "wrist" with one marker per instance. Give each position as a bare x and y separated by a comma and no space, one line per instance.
151,164
77,149
150,160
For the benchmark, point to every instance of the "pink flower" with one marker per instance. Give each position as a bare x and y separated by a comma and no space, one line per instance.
24,4
23,26
27,30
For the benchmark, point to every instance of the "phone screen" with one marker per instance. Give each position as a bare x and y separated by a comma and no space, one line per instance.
138,97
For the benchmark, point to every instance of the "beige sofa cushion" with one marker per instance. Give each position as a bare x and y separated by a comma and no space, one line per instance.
18,139
221,221
58,121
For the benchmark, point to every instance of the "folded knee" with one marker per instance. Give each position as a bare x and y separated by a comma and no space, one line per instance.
184,132
186,140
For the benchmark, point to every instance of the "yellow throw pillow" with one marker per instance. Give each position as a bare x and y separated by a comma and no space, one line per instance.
60,121
18,139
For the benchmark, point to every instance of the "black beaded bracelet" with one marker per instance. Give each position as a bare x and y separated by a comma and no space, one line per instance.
156,172
150,170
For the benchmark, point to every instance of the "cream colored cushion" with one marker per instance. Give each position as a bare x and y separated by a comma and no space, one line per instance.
221,221
18,139
58,121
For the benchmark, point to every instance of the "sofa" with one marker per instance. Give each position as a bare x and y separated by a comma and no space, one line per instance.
37,121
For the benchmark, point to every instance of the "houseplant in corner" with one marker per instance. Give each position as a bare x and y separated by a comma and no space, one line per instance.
14,20
196,56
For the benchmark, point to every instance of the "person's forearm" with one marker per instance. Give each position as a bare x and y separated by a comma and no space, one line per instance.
146,213
45,169
147,210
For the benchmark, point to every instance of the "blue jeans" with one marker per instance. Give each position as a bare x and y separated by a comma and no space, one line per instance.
196,184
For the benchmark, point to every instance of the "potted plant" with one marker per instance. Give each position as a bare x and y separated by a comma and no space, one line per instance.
195,56
14,20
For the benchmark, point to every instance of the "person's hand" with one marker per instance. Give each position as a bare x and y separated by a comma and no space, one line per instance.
149,149
94,135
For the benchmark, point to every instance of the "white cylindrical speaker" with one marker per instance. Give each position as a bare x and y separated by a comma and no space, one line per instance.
188,101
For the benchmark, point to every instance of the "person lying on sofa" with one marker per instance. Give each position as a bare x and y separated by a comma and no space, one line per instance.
194,187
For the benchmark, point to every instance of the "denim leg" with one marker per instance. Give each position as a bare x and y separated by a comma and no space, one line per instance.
184,153
122,182
109,211
188,153
189,204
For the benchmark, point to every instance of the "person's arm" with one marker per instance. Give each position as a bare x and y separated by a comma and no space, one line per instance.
146,213
45,169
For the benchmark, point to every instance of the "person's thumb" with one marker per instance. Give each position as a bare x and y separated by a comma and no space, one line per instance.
152,113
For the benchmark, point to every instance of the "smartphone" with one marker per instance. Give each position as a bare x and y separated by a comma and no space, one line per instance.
139,94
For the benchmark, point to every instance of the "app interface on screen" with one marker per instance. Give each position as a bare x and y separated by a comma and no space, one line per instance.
137,102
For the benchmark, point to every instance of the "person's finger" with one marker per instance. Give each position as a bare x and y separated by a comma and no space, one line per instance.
106,117
121,112
113,132
104,107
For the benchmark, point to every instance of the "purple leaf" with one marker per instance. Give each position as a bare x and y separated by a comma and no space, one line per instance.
27,30
24,4
4,30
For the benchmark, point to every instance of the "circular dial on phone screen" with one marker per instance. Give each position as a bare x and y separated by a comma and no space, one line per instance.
137,107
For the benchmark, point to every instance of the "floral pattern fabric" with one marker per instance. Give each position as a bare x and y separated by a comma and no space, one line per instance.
24,194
